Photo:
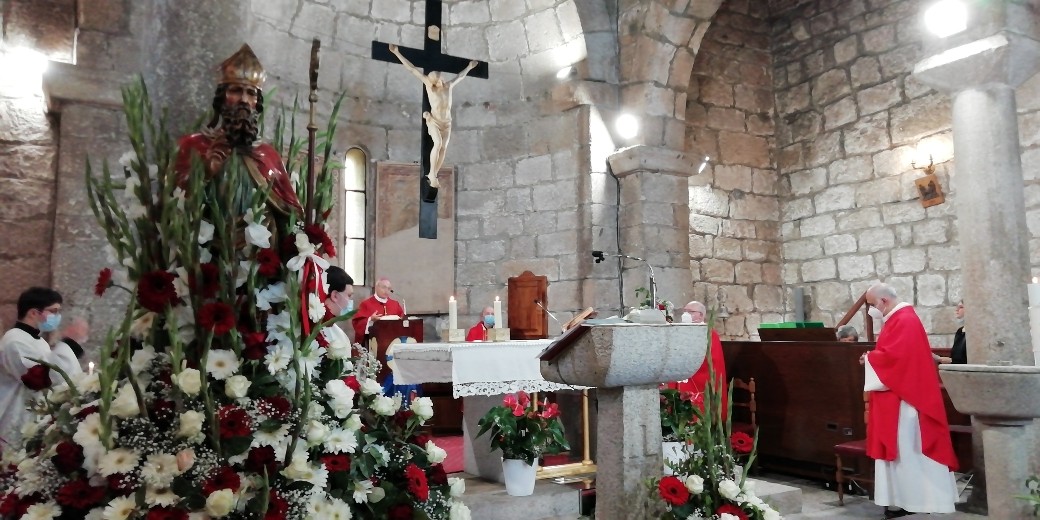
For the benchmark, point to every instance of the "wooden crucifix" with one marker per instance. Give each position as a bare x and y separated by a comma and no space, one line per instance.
431,60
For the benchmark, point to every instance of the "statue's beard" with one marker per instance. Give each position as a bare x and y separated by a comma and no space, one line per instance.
241,125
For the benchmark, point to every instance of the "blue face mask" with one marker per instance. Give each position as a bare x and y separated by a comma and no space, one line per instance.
346,308
489,320
51,323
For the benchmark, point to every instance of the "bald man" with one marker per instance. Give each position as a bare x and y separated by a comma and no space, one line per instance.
478,332
375,307
908,435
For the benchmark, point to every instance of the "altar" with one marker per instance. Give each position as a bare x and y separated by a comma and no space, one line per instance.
480,373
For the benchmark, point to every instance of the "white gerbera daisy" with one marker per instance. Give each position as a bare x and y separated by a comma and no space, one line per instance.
278,358
337,509
341,441
160,469
161,497
222,364
273,438
315,308
120,508
119,460
45,511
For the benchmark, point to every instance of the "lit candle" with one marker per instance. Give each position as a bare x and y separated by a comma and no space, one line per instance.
453,313
498,313
90,368
1034,293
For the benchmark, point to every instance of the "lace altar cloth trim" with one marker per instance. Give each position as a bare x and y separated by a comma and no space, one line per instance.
508,387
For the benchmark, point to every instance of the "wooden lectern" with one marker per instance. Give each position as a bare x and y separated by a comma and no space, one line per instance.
382,333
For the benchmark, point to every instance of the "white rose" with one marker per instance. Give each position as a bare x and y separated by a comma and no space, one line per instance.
458,486
370,387
316,433
125,403
220,503
384,405
694,484
189,381
190,424
353,423
237,387
769,513
339,350
434,453
729,489
459,511
423,408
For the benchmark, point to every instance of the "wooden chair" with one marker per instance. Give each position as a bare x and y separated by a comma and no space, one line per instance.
853,450
745,389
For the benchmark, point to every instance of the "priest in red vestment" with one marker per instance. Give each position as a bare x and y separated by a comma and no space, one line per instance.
907,434
694,312
478,332
374,307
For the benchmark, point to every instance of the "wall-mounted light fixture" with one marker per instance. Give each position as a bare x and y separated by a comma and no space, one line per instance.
627,126
928,186
946,18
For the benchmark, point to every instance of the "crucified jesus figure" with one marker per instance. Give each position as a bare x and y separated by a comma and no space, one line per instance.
438,119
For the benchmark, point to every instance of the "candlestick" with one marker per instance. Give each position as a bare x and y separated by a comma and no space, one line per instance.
498,313
453,313
1034,293
90,368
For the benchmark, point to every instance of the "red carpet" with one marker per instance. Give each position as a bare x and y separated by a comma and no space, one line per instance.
453,445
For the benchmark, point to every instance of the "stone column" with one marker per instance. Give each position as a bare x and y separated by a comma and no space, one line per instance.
655,219
185,44
980,69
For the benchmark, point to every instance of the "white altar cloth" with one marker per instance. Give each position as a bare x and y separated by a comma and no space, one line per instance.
488,368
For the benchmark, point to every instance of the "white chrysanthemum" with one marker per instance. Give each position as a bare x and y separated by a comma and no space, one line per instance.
222,364
160,469
88,432
237,387
370,387
458,511
457,486
337,509
341,441
125,403
278,358
161,497
45,511
220,503
315,308
120,508
275,439
205,232
190,424
435,453
119,460
694,484
729,489
423,408
384,405
142,359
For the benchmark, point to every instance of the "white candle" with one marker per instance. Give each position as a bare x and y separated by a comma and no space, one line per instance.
1034,293
498,313
453,313
404,309
90,368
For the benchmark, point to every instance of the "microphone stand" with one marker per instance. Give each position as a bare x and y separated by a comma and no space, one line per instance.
599,256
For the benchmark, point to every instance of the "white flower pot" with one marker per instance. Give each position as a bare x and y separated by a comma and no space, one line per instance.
671,452
519,477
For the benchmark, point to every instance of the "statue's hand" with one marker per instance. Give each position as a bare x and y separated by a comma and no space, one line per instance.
217,155
393,48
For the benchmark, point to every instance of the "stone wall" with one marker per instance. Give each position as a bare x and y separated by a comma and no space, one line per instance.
851,125
734,206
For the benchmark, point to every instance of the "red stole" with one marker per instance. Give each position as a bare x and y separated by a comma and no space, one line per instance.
903,362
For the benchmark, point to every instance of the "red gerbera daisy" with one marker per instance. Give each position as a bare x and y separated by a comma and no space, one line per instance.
218,317
276,407
260,459
166,513
741,442
267,262
277,507
210,280
336,462
155,291
234,422
79,494
400,512
104,281
673,491
221,478
732,510
68,457
417,484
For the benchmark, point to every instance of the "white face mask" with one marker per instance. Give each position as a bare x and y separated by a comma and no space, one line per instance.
876,313
686,318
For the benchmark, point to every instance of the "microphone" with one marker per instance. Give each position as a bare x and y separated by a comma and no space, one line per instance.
539,303
599,256
404,309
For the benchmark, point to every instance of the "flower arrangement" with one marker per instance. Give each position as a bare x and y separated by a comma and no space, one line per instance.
225,393
708,482
643,294
523,431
